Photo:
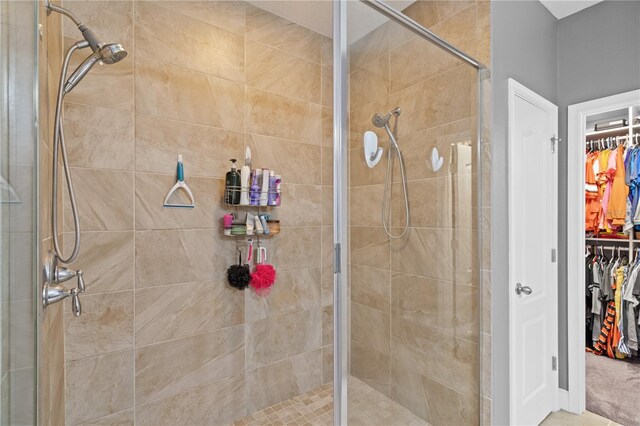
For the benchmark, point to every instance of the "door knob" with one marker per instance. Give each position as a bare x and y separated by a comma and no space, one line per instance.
523,289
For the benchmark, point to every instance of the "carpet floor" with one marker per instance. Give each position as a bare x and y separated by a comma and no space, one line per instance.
613,388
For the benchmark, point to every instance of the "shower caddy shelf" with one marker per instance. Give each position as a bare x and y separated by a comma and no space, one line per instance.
258,209
232,189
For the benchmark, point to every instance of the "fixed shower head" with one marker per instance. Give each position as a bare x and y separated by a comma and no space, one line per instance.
108,54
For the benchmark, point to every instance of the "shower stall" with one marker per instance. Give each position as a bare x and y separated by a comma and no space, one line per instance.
375,316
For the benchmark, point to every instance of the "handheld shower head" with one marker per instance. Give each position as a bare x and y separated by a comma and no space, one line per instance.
394,150
108,54
383,120
380,120
112,53
80,72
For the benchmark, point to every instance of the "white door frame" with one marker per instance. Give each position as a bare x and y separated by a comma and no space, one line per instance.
517,90
577,122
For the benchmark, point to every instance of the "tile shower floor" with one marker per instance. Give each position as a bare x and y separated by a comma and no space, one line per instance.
367,406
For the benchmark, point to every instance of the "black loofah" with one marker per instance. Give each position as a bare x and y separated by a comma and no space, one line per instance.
239,276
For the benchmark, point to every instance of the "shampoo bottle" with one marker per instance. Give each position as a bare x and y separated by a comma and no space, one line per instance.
272,189
250,225
264,194
265,227
255,190
245,173
278,190
232,185
259,229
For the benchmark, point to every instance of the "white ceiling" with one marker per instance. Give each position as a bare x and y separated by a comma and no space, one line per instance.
563,8
317,14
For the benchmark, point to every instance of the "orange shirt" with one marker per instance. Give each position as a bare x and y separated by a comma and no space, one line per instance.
592,196
617,208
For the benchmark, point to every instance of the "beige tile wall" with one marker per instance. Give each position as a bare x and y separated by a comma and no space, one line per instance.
156,296
51,395
163,339
415,330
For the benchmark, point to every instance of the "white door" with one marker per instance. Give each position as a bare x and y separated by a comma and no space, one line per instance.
533,214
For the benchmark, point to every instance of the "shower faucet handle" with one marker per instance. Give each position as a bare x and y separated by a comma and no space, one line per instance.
54,291
76,306
80,286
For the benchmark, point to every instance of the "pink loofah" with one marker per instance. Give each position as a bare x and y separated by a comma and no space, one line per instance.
263,278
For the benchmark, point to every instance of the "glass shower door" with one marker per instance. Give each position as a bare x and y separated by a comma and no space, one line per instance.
18,217
407,224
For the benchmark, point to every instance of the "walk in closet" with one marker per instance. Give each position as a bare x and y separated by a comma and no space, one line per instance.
612,261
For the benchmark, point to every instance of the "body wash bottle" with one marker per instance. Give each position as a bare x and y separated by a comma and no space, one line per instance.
232,185
272,189
250,224
254,194
245,173
278,190
264,194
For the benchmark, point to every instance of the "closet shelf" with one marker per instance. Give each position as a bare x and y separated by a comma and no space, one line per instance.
254,235
617,130
612,240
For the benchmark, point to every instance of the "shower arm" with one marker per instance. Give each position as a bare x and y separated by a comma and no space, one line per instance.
88,35
53,8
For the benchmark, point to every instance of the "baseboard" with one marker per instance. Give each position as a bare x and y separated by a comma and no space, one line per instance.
563,399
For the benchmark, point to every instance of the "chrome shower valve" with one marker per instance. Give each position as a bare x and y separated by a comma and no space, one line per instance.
53,291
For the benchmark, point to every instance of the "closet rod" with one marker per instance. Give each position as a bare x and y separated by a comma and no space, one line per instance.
612,139
610,240
613,248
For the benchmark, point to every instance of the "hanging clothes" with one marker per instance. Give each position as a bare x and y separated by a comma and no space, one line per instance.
612,284
617,206
612,305
604,177
612,188
592,207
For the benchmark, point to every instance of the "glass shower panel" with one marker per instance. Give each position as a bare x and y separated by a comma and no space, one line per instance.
413,222
18,229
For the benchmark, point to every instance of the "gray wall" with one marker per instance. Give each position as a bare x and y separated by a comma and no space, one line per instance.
599,55
523,47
